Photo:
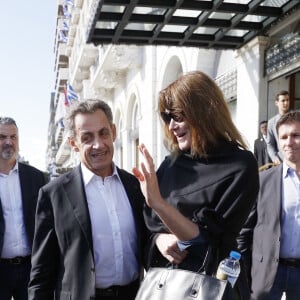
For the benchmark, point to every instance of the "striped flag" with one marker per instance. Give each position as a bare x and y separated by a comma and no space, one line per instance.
65,26
66,12
70,95
62,37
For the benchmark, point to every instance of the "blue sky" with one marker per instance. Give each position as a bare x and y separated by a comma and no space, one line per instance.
27,30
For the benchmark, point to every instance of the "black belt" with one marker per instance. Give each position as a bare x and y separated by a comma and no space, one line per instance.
119,290
18,260
290,262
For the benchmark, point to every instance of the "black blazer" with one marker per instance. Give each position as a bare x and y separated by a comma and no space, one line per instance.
62,261
31,180
261,152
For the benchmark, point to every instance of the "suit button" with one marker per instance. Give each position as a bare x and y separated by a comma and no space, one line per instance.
93,269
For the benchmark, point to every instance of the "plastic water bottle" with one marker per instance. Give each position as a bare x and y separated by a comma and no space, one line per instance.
229,268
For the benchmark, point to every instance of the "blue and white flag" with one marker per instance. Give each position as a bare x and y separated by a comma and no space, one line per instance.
70,95
66,12
65,26
62,37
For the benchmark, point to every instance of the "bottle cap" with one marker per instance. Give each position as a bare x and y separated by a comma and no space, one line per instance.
235,255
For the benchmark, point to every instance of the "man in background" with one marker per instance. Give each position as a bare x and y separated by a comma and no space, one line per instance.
19,186
282,101
260,146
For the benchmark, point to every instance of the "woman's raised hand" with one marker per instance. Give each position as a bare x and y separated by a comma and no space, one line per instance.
147,178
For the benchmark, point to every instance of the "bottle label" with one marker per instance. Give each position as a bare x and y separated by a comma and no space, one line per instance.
220,275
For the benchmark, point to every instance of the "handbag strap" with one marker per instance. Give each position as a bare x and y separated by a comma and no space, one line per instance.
206,260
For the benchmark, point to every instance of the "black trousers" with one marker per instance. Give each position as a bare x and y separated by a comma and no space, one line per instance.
14,278
117,292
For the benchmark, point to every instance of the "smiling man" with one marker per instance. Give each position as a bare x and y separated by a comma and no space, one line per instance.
273,228
90,230
19,186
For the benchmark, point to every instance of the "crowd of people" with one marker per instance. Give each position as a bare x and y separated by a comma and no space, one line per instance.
91,233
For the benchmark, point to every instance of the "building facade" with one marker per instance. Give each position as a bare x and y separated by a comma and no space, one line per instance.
129,77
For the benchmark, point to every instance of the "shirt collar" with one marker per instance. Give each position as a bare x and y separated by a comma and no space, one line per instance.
15,169
88,175
286,170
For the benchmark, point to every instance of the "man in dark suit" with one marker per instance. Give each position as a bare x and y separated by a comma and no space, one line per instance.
19,186
260,145
90,229
271,235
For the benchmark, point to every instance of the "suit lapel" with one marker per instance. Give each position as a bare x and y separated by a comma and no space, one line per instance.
276,190
279,192
130,190
76,195
24,177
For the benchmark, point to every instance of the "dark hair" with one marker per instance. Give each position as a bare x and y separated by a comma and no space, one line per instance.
7,121
288,118
86,107
263,122
281,93
200,101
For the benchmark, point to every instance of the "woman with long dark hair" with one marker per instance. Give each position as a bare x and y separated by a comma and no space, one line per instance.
203,191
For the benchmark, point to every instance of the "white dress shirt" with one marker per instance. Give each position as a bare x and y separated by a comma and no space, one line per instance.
113,229
290,214
264,138
15,241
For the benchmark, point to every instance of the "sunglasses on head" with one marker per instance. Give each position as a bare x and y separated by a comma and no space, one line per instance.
168,116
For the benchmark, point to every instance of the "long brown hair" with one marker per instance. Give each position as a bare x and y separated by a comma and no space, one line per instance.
201,102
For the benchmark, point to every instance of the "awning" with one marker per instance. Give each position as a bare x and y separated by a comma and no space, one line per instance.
217,24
